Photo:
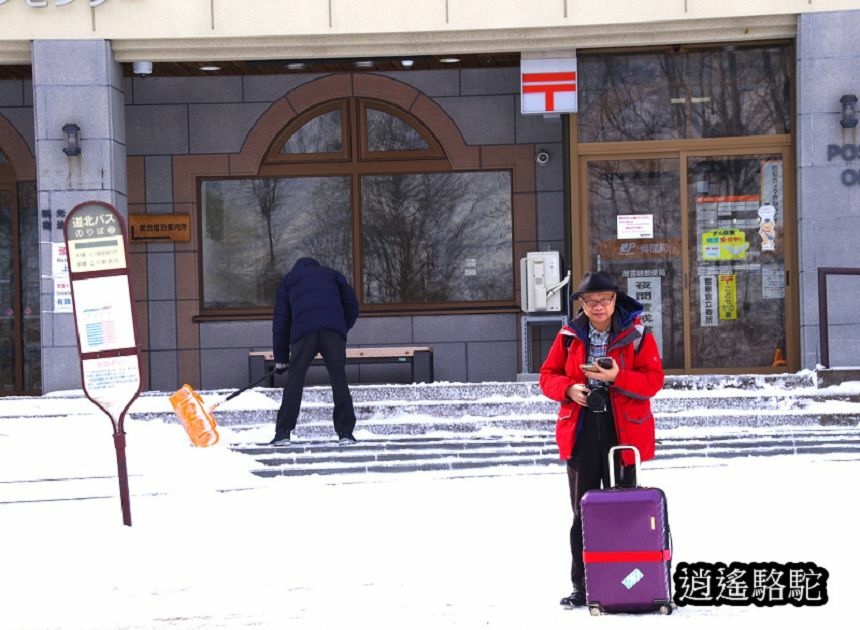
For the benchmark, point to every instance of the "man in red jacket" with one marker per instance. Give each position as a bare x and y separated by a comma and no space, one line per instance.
603,369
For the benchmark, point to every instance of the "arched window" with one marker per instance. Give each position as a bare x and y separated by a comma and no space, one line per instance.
364,187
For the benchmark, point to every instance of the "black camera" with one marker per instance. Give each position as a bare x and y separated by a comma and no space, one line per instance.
597,400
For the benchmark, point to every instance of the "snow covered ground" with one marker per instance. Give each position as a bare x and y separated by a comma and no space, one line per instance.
213,546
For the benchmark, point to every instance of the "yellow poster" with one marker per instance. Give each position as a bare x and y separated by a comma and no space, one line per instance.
724,244
728,299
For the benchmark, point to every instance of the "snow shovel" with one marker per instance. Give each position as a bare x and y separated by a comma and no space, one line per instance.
196,417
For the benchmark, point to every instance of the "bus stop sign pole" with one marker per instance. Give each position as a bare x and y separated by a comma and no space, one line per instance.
105,325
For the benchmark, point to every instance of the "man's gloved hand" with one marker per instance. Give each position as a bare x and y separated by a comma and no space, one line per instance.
280,368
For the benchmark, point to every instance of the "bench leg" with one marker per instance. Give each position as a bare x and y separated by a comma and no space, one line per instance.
257,368
270,365
422,367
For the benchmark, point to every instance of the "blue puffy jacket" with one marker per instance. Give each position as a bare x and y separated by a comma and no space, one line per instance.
311,297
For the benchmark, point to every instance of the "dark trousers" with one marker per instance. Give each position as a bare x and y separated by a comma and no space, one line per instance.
332,347
587,469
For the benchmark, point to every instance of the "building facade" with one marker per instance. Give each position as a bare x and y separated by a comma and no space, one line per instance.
712,167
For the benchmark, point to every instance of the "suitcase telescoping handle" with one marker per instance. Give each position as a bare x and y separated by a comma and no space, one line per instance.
637,459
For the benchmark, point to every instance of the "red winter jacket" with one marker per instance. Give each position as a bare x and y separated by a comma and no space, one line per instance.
640,377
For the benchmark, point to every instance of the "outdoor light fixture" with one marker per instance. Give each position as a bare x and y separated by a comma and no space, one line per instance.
407,63
210,67
142,68
849,111
73,139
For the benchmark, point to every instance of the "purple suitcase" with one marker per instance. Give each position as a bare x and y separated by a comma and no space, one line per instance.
626,547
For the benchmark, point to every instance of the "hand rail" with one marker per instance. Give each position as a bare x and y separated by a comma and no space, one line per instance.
823,336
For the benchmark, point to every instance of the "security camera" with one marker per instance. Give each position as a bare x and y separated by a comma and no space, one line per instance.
142,68
542,158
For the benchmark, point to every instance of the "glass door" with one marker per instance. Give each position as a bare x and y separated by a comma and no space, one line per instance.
20,335
635,233
737,252
700,241
9,339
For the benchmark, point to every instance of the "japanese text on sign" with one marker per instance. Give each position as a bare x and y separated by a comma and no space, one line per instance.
708,300
159,227
724,244
648,291
728,301
95,238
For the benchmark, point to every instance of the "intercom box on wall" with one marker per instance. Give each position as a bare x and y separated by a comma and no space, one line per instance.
541,282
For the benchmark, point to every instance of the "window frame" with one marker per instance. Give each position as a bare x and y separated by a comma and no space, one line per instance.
355,162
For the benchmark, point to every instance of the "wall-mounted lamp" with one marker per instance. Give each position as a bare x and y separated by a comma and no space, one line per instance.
73,139
849,111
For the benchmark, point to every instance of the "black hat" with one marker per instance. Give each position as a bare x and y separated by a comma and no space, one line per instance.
596,281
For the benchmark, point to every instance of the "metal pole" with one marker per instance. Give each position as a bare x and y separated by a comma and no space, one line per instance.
122,474
823,339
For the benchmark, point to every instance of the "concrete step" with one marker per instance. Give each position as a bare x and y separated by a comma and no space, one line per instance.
753,400
414,420
490,391
376,455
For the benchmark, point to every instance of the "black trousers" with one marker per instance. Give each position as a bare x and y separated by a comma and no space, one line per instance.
332,347
588,469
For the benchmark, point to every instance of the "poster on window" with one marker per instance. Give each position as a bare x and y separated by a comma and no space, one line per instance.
772,282
59,260
707,301
647,290
728,297
62,295
635,226
771,186
724,244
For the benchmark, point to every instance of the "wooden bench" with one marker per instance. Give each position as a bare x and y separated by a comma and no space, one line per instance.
419,358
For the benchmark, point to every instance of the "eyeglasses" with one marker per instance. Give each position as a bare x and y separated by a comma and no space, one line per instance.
602,302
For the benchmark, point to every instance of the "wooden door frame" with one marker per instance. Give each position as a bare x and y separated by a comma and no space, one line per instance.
581,154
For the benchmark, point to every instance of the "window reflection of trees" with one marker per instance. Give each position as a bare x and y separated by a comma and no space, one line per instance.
28,228
730,91
389,133
421,234
424,238
7,332
255,229
641,187
323,134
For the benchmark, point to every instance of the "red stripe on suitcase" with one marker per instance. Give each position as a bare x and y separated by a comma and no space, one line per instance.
627,556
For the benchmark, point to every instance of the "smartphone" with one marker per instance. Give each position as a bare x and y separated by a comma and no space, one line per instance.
604,362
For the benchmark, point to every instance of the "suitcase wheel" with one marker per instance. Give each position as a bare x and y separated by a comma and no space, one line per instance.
594,609
665,609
